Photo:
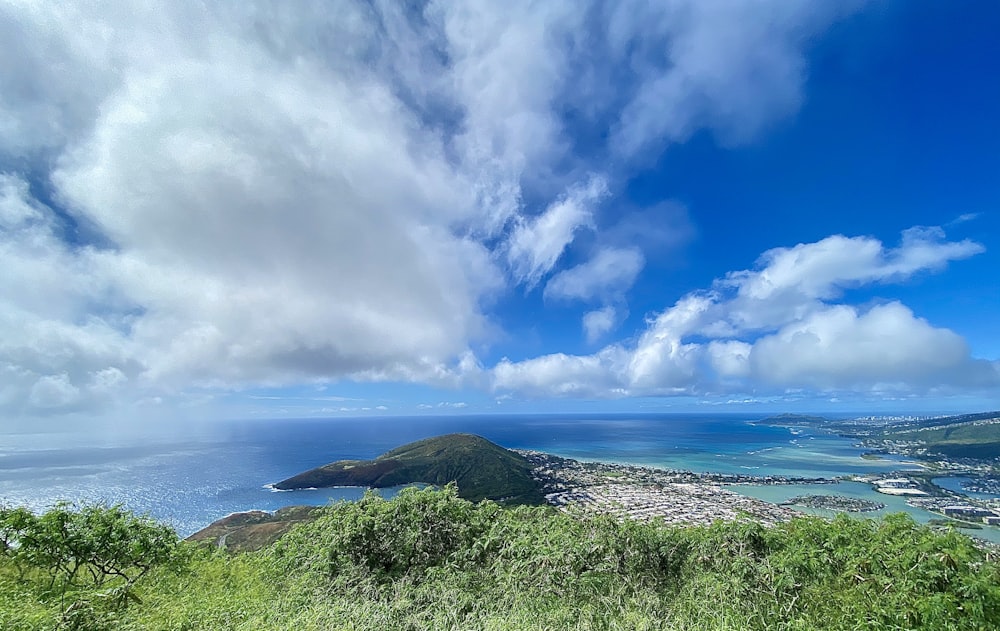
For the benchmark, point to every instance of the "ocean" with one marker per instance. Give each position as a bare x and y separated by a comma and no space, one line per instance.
191,475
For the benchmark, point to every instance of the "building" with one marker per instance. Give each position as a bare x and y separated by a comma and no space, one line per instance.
965,511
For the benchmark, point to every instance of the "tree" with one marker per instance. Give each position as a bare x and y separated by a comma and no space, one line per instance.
90,544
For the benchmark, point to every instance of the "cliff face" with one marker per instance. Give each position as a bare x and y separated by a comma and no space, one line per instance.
480,469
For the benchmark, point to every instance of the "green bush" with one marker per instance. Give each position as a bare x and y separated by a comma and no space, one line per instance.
88,546
430,560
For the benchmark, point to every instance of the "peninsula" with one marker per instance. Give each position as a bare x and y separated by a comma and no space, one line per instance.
479,468
482,470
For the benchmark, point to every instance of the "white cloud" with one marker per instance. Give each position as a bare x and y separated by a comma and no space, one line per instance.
268,194
507,64
790,282
729,358
54,391
16,208
597,375
821,269
662,362
842,348
599,322
733,68
56,354
774,329
52,78
536,245
307,235
963,218
607,276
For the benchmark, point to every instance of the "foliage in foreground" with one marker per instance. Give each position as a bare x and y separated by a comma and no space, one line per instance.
430,560
88,558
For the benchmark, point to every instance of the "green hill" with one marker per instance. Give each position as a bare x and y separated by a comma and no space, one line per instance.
480,469
943,422
968,436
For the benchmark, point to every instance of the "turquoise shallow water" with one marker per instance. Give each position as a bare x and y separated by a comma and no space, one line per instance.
954,483
193,474
893,504
781,493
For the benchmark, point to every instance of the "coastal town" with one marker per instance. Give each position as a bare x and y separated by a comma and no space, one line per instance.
689,498
921,492
645,493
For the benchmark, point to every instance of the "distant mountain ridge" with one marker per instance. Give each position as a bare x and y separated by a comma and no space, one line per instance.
964,436
793,420
479,468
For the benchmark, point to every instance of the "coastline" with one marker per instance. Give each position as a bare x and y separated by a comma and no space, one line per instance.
683,497
191,482
677,496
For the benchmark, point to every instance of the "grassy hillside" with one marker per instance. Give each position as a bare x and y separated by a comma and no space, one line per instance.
961,436
430,560
944,421
480,469
253,530
966,436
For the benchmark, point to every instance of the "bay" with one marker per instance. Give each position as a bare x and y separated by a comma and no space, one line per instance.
190,475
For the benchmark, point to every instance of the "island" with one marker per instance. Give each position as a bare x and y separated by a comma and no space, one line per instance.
479,468
835,503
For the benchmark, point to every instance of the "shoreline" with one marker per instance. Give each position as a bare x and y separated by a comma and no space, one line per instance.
644,493
683,497
699,498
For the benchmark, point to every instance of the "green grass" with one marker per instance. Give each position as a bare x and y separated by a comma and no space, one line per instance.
958,440
430,560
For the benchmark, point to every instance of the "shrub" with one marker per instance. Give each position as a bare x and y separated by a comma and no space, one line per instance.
89,545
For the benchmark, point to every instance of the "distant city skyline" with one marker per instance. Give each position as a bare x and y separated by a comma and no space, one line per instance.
257,210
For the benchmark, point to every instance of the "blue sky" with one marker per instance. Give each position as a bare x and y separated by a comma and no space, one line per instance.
281,210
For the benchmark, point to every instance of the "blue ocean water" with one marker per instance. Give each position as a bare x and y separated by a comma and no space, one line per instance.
193,475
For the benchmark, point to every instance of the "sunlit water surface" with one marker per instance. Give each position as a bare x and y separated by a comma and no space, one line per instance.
190,477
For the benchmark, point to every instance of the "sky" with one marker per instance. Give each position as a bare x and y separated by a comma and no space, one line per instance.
255,209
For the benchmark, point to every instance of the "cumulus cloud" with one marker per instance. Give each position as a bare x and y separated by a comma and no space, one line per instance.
247,193
56,354
839,347
775,328
559,374
789,282
819,270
